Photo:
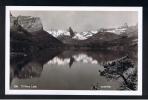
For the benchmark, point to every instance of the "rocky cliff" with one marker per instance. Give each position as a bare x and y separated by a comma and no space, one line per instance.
27,36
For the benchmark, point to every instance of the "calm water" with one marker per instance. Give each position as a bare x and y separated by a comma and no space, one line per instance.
67,70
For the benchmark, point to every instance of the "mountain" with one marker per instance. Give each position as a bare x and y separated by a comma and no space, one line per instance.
132,31
110,41
27,35
104,36
71,34
113,38
124,30
117,30
84,35
57,33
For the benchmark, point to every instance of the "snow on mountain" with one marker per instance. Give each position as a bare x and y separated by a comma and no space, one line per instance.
57,33
117,30
78,58
94,32
84,35
79,36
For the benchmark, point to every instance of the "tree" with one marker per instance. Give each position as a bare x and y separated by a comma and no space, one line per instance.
120,69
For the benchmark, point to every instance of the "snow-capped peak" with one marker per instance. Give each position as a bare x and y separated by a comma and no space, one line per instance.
94,32
117,30
57,33
77,35
84,35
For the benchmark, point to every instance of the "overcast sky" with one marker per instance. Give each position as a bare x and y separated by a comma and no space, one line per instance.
82,20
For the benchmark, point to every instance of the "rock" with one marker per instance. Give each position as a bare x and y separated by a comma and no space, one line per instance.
27,35
71,32
13,23
26,23
30,24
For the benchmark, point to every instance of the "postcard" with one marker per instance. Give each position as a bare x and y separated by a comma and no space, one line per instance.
64,50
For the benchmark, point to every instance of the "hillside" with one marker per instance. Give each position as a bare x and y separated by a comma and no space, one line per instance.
27,36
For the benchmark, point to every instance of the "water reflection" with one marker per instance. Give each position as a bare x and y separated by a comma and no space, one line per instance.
73,70
31,66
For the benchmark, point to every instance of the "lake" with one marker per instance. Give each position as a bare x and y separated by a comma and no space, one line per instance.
53,69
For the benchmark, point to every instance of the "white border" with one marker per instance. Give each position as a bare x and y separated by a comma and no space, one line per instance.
8,91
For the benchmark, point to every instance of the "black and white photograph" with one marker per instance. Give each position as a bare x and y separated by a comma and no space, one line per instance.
73,50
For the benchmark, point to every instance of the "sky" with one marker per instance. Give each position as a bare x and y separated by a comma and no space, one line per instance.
82,20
